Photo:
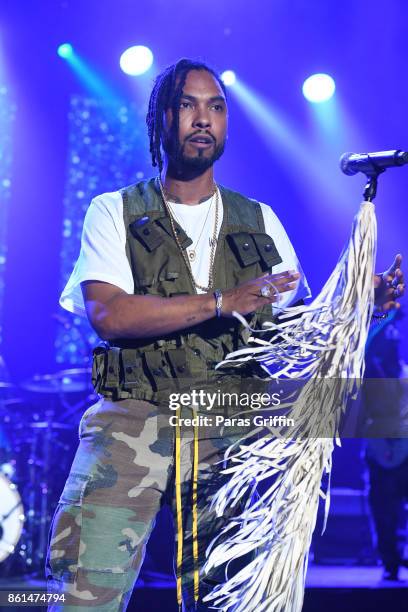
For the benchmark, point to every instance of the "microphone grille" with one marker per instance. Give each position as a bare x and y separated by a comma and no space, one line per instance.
344,164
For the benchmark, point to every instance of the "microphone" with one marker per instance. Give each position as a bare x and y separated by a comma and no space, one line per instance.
372,163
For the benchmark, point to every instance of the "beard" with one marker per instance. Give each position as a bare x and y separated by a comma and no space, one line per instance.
199,162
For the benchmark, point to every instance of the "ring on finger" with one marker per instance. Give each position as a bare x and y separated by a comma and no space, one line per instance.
266,291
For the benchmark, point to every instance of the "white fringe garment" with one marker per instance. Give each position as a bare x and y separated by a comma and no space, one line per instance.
326,341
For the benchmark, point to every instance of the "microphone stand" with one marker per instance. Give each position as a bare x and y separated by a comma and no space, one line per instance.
370,190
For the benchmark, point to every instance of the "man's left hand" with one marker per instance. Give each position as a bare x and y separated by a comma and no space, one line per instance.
389,286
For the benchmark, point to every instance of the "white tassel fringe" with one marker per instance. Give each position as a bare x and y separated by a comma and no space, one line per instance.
326,341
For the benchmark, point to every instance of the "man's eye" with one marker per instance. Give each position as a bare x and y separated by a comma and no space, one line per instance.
218,107
185,104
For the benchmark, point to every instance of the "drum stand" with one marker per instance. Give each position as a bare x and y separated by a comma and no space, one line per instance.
48,452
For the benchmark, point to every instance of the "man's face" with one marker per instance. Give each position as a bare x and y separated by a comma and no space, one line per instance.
202,123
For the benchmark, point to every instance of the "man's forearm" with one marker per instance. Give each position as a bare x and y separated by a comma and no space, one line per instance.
113,313
144,316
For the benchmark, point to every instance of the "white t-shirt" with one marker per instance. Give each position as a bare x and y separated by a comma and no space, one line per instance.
103,248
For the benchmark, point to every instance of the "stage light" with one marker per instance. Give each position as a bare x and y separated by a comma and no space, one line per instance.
228,78
65,50
136,60
319,88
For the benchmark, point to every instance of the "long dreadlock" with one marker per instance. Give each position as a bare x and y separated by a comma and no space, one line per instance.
166,93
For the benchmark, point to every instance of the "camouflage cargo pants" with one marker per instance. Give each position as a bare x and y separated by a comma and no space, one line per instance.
122,472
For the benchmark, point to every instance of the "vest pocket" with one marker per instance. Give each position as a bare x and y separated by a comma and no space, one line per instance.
252,248
267,250
178,362
146,233
157,369
166,271
244,249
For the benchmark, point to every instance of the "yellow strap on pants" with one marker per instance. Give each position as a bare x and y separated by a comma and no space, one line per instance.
179,512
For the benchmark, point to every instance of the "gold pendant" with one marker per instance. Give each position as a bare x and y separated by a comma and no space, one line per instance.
192,255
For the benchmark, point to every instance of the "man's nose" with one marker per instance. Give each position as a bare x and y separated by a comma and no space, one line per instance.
202,119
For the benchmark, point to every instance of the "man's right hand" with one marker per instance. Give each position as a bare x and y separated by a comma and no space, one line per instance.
247,297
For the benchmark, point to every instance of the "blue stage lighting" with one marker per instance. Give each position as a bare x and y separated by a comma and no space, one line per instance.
65,50
228,77
136,60
319,88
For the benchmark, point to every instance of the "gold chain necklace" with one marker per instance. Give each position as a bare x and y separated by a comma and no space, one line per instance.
182,251
192,251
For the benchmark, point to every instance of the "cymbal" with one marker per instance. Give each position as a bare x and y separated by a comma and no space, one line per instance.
6,385
8,393
7,389
73,380
73,372
49,425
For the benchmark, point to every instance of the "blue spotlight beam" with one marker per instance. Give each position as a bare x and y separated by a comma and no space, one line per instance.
92,81
283,138
334,127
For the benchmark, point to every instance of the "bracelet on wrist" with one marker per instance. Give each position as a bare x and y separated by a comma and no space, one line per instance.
218,302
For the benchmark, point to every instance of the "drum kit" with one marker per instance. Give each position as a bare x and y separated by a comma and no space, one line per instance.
38,438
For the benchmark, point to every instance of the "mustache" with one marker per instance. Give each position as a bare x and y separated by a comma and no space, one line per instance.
200,133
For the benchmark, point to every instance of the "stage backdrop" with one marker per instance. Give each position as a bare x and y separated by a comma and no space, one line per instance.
107,148
7,116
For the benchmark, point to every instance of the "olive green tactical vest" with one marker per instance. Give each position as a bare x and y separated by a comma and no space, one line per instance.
145,368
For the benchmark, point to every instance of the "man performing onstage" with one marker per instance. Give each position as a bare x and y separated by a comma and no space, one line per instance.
162,266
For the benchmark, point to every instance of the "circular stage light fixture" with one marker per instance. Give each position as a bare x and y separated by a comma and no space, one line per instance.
65,50
228,77
136,60
319,88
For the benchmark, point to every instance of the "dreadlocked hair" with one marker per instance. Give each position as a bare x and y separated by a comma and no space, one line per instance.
166,93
